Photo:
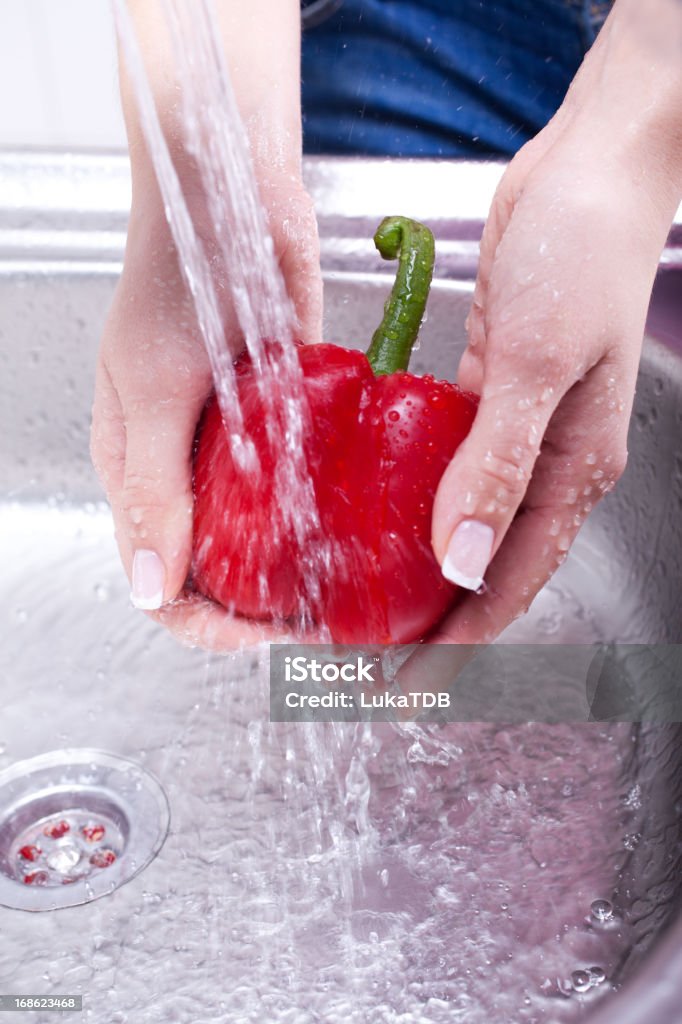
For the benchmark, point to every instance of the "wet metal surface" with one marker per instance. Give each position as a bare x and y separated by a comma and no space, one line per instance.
340,874
75,825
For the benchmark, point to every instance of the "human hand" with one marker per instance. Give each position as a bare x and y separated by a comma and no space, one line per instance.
153,378
153,374
568,259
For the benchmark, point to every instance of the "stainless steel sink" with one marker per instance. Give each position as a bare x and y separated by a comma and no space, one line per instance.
328,873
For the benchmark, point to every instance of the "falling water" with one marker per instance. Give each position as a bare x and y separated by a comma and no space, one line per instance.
216,139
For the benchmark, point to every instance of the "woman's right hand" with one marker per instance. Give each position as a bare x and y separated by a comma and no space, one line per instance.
153,378
153,375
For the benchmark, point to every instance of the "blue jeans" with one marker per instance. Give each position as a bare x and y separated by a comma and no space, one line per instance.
441,78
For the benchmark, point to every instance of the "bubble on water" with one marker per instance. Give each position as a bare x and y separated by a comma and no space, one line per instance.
394,415
632,840
581,981
591,458
633,799
597,975
602,911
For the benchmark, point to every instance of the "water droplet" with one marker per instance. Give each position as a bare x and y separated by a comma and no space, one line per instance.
602,910
394,415
581,981
631,841
634,797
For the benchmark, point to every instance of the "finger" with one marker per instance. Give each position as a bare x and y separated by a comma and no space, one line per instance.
471,371
294,227
432,668
153,506
501,209
107,432
583,457
300,265
482,488
495,226
196,622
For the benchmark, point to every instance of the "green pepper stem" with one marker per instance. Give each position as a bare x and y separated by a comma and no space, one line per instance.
411,243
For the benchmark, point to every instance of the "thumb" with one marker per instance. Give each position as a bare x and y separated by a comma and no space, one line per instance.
482,488
153,508
295,235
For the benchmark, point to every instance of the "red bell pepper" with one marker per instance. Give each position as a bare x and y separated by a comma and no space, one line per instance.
379,443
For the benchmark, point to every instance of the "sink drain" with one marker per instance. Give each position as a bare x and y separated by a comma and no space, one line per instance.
74,826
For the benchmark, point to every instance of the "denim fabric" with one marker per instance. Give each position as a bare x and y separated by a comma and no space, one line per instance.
441,78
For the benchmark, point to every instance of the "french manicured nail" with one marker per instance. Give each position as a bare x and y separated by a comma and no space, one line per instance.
468,554
149,579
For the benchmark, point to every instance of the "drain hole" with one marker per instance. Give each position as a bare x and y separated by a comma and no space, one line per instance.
75,825
65,847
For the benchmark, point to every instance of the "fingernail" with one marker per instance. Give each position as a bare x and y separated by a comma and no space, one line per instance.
468,554
149,579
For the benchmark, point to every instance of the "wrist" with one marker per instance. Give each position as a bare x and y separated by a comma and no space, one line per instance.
625,106
632,108
260,41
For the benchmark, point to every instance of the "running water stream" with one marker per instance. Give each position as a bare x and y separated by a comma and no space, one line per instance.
216,139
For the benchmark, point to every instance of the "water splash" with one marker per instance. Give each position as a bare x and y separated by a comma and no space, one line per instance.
215,138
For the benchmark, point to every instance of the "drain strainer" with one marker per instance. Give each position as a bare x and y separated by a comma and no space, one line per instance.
74,826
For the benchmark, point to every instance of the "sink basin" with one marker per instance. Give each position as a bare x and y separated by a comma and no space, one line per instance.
329,872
